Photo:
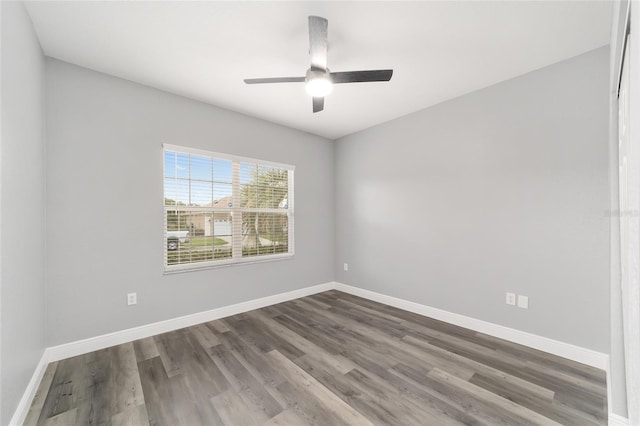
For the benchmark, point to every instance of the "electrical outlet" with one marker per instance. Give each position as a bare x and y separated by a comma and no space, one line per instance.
511,299
132,299
346,266
523,302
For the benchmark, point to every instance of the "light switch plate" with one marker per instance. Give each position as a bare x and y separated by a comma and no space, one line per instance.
523,302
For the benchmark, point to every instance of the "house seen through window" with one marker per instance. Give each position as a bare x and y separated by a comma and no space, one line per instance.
222,209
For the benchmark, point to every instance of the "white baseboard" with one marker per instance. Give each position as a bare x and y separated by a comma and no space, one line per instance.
565,350
22,410
67,350
616,420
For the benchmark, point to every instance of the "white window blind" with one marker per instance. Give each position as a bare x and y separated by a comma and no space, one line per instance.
221,209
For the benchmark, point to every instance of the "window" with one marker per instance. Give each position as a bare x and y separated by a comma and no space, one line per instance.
221,209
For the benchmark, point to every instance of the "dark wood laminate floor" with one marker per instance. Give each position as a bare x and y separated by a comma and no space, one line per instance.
327,359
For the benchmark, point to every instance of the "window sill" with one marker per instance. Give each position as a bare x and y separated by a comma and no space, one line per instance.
200,266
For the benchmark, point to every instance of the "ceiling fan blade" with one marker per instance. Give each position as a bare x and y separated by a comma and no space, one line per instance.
361,76
318,104
274,80
318,42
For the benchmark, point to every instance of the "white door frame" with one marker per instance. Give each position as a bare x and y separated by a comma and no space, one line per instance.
629,187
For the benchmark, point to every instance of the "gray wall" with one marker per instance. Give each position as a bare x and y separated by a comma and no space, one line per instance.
104,204
504,189
22,200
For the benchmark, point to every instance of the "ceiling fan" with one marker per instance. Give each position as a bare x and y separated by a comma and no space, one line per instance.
319,80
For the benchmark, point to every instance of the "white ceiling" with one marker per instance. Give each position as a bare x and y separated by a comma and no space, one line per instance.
203,50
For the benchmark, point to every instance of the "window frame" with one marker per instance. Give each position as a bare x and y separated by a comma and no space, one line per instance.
235,209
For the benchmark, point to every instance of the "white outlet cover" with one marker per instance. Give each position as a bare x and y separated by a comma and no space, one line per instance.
346,266
511,299
523,302
132,299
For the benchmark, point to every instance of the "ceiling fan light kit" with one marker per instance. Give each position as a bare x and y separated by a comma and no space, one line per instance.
319,80
318,83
